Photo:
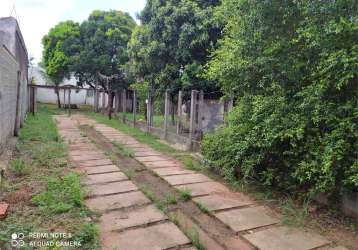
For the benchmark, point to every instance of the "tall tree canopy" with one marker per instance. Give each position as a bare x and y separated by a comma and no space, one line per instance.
60,44
103,48
293,67
173,44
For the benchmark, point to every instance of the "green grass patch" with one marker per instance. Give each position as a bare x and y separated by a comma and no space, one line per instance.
185,194
37,171
62,195
171,199
124,151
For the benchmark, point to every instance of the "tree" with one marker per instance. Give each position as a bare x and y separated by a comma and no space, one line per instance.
292,66
175,39
59,45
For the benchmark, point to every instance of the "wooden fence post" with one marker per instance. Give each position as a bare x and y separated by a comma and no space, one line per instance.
134,107
166,113
192,116
180,112
124,104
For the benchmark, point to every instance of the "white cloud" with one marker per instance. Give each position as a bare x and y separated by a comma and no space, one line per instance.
35,18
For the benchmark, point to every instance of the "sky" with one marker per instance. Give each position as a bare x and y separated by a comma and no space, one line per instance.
37,17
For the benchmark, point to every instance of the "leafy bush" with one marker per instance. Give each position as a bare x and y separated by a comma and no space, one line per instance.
62,195
293,68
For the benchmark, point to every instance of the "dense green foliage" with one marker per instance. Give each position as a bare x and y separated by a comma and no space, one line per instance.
293,68
103,48
58,47
173,43
92,50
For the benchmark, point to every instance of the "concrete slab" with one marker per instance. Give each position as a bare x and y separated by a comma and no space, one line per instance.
172,171
94,163
205,188
246,218
101,169
162,164
146,153
117,201
120,220
153,158
284,238
156,237
339,248
84,152
104,178
80,158
111,188
186,179
217,202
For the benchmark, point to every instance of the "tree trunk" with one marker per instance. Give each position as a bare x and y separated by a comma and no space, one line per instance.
58,96
110,104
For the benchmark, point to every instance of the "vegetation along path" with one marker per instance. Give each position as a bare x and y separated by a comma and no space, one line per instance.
128,220
220,219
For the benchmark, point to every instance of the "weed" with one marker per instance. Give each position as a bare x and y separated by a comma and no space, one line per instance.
190,163
123,150
130,173
294,215
171,199
185,194
159,204
194,236
19,167
87,236
62,195
203,208
149,193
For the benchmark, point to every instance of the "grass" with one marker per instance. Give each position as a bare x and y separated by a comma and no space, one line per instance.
19,167
130,173
124,151
194,236
185,194
294,215
40,170
203,208
171,199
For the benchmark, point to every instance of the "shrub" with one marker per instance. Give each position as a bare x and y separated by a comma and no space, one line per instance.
292,67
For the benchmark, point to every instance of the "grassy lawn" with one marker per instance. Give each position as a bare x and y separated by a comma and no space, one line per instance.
44,195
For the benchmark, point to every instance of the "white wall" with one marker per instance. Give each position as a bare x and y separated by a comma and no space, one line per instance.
79,97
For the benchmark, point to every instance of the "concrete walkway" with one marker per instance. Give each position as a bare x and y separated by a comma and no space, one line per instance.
128,219
257,224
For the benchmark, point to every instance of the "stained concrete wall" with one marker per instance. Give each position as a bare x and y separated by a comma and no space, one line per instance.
13,79
8,93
